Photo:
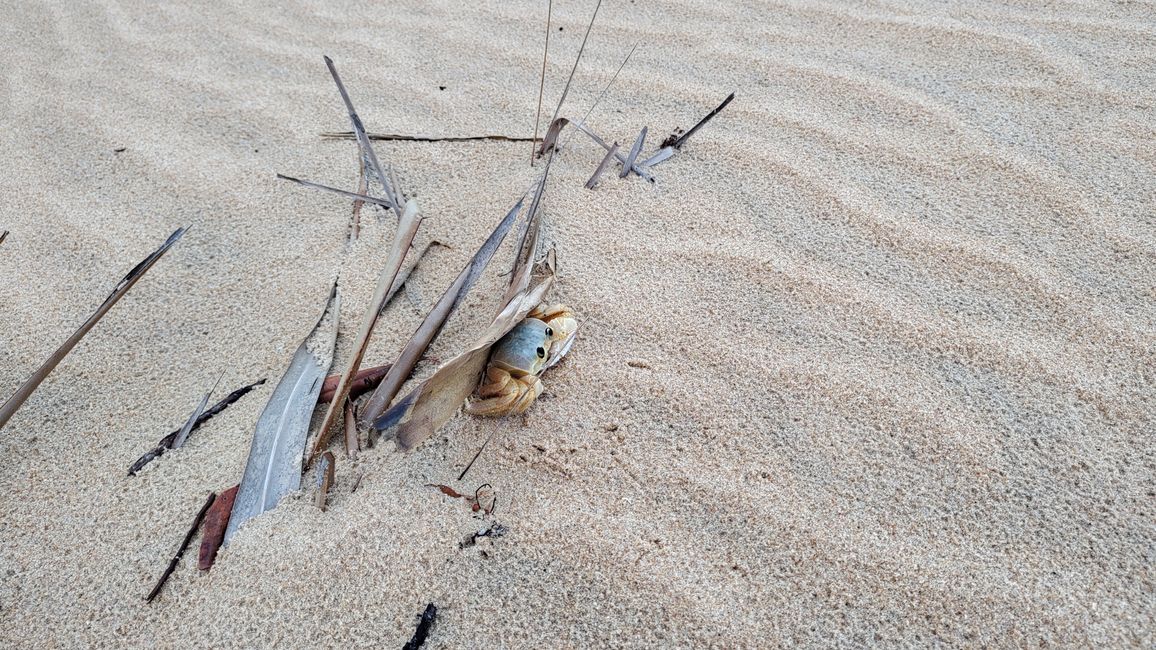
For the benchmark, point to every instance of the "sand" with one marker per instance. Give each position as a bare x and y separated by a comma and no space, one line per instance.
871,363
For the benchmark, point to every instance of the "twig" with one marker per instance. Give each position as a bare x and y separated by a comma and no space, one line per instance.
364,381
633,155
394,137
14,403
324,479
677,144
578,58
351,443
3,236
423,628
167,441
183,434
602,166
184,545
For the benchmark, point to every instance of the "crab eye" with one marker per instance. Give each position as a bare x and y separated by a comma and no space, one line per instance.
549,332
541,353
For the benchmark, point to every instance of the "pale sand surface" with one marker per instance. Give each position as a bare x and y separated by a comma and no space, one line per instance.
872,362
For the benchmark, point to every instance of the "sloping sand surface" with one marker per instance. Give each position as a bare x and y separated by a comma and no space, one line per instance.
872,362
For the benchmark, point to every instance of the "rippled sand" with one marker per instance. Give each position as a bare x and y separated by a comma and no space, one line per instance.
873,362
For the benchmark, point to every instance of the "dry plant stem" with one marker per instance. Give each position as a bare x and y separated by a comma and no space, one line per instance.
351,446
3,236
633,155
577,59
551,138
602,167
677,144
542,82
608,85
13,404
660,156
407,228
324,479
419,342
181,551
353,195
388,137
362,188
363,140
477,455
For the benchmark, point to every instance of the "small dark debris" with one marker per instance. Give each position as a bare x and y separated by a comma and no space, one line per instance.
423,628
441,87
638,363
120,150
493,530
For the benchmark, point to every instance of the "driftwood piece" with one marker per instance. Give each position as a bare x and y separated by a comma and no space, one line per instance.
25,390
216,521
181,551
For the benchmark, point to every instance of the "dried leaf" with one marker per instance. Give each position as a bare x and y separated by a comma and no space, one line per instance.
419,342
13,404
406,230
167,442
216,521
181,551
633,155
274,466
324,479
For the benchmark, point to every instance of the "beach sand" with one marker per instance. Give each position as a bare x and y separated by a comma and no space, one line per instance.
873,362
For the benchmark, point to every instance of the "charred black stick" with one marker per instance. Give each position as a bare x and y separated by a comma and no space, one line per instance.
677,144
423,628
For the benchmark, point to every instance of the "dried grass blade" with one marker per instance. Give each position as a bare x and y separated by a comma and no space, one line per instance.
183,434
677,144
363,141
274,465
352,195
590,184
419,342
181,551
542,81
362,188
407,228
662,154
167,441
324,479
17,399
577,59
633,155
392,137
551,138
3,236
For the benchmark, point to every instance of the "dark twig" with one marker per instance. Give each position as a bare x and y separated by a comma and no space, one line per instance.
184,545
3,236
681,140
541,84
423,628
167,441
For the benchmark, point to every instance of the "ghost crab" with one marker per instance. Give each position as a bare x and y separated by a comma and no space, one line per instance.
511,382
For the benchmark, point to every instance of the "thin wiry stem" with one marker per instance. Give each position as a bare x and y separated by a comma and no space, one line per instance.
578,58
542,83
608,85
